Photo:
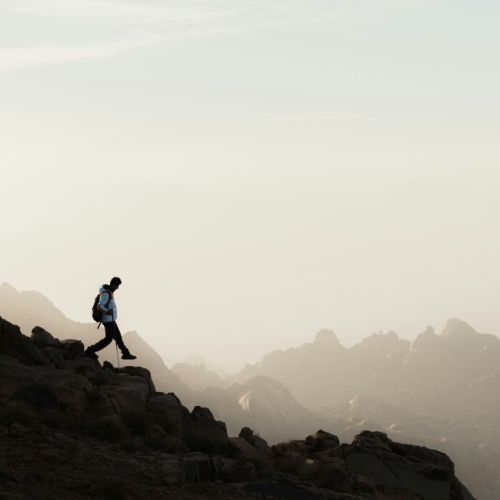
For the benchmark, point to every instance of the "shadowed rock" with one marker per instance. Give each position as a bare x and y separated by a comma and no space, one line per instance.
102,432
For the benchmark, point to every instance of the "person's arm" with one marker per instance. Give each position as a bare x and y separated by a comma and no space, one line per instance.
104,302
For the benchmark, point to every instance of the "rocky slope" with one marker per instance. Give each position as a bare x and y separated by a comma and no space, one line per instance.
383,383
252,403
71,428
30,308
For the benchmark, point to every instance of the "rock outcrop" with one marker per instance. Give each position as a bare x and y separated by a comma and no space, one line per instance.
72,428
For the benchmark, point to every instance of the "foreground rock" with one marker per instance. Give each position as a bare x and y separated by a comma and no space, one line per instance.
71,428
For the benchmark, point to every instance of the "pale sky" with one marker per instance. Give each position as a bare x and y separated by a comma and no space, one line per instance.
253,170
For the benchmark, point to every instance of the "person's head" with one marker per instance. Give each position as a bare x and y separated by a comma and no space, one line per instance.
115,283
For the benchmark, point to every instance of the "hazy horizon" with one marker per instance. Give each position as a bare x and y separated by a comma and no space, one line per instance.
253,171
230,366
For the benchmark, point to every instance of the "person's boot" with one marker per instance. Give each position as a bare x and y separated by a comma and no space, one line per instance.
127,355
90,354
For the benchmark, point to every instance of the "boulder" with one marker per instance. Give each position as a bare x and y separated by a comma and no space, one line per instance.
324,440
207,434
72,348
248,435
254,443
380,465
56,356
127,393
138,371
99,404
244,450
368,439
42,338
17,345
168,412
13,375
86,367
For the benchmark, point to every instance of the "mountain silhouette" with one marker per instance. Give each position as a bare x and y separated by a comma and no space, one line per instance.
438,390
73,428
29,308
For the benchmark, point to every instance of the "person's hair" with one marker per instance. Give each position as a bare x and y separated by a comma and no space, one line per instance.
115,281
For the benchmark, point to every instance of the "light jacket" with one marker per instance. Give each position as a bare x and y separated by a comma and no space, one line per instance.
109,310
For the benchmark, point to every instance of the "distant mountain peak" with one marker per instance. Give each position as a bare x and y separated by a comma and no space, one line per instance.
427,338
327,337
7,288
457,328
429,331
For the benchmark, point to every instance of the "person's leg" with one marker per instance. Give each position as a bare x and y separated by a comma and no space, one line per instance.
105,341
118,339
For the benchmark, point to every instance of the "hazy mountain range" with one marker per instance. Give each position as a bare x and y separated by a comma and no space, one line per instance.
441,390
64,415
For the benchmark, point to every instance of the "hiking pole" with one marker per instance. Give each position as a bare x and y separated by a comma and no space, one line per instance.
117,359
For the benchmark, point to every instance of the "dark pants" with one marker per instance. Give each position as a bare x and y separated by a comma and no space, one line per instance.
112,333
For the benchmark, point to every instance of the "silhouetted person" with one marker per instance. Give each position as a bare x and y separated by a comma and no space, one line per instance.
107,306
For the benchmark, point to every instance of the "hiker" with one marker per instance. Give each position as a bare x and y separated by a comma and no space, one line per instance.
105,312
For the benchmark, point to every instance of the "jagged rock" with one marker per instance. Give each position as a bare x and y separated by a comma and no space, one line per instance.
248,435
41,338
72,348
382,466
91,370
127,393
323,440
367,439
83,425
207,434
17,345
56,356
244,449
167,411
256,443
139,372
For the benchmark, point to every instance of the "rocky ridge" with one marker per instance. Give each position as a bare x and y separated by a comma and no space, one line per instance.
73,428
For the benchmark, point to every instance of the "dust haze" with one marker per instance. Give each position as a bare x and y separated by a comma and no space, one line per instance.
300,198
295,167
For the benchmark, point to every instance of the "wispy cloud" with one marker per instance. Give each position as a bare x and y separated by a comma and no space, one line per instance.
324,118
143,23
16,59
